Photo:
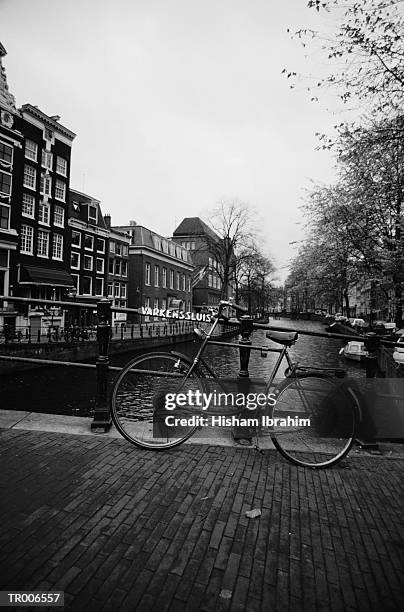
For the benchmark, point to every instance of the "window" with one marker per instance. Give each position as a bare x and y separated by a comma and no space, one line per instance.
76,282
156,276
59,216
117,267
88,242
189,283
112,246
5,183
156,303
29,177
118,248
60,190
110,290
123,290
99,286
92,211
178,280
164,277
171,279
45,185
88,262
48,134
6,153
100,265
76,238
31,150
100,245
124,268
4,217
117,289
85,285
125,250
43,213
27,238
47,159
57,246
43,243
111,266
61,165
3,259
183,282
147,274
28,205
75,260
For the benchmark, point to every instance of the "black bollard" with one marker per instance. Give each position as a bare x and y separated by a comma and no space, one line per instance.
102,416
243,384
372,345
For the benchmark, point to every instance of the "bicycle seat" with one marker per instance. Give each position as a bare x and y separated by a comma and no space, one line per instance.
285,338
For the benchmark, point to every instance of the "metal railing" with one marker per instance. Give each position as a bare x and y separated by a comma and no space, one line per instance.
104,333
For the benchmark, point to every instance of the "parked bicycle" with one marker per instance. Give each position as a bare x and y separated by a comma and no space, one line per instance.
324,398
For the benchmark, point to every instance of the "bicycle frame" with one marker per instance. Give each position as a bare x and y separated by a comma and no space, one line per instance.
283,352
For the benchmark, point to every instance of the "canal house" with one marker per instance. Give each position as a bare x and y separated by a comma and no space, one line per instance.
11,162
118,270
88,255
35,152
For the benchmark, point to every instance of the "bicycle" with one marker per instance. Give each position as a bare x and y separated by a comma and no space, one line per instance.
322,396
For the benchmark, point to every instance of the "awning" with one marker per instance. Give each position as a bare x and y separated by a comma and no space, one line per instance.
37,275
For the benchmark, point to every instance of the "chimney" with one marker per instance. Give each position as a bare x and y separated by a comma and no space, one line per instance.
107,221
132,222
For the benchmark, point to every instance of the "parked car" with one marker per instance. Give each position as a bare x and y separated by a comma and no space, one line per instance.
339,317
357,322
383,327
398,354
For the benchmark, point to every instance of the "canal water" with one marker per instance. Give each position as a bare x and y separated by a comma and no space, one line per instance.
71,390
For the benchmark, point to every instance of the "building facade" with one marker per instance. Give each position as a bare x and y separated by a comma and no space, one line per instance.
160,271
11,164
118,270
35,152
89,246
197,237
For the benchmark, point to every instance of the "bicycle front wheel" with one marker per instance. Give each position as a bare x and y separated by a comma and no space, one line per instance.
313,420
144,396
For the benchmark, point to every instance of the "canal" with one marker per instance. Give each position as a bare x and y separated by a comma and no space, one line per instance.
71,390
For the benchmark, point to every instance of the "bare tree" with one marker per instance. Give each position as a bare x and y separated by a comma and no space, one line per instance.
365,52
233,224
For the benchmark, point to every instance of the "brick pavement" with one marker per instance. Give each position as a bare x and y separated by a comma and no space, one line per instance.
118,528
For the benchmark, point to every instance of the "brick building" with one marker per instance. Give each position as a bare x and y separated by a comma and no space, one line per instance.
11,164
35,151
89,238
194,235
118,269
160,270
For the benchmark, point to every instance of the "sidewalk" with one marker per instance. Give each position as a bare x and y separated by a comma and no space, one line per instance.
119,528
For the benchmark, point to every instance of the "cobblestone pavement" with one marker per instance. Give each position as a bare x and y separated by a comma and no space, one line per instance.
118,528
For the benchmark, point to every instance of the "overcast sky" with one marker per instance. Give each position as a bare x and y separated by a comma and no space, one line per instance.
177,104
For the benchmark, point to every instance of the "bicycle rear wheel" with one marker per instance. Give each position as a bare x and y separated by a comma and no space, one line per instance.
139,401
314,420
